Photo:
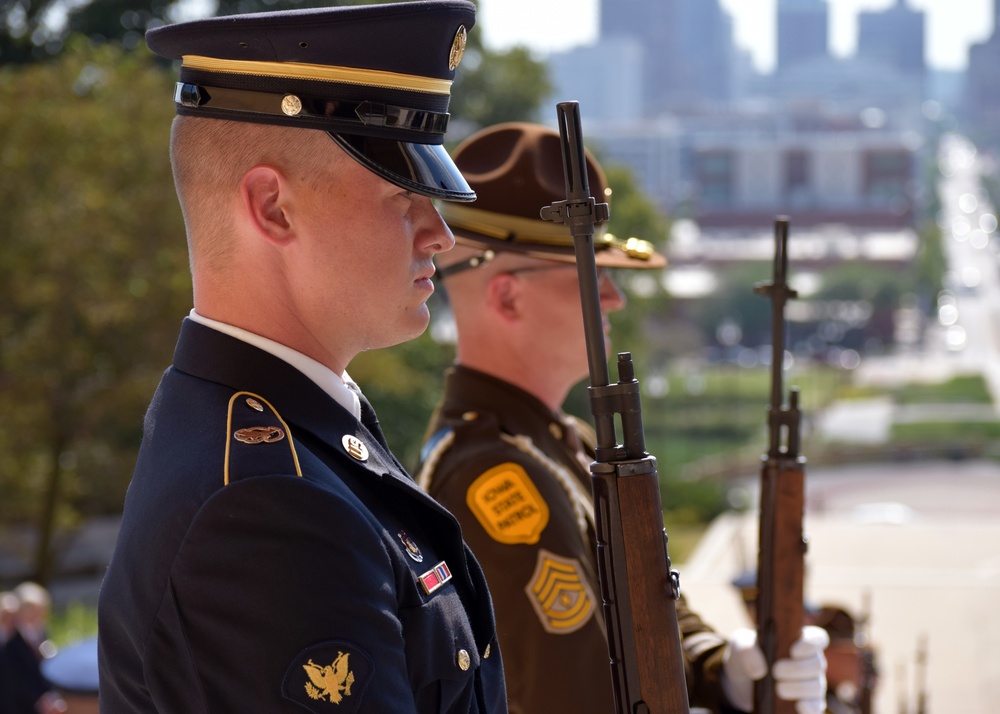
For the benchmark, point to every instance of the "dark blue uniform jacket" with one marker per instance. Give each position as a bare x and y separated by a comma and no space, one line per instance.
261,567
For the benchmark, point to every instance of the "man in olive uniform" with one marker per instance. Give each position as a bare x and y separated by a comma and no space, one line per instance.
512,466
273,555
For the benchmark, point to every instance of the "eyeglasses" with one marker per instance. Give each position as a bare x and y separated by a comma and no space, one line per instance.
601,272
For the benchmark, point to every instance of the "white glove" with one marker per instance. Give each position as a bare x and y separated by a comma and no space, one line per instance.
801,678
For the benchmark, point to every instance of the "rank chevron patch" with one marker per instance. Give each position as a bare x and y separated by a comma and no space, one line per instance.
560,594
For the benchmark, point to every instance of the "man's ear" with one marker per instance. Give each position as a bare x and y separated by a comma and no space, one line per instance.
503,295
265,192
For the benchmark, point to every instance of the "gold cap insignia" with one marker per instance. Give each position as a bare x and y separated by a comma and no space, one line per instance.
254,404
411,548
560,594
354,447
291,105
458,47
330,682
259,435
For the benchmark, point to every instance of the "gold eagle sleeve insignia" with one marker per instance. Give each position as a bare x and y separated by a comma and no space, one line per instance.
331,673
331,682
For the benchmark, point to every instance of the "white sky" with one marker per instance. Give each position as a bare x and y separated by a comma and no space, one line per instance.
552,25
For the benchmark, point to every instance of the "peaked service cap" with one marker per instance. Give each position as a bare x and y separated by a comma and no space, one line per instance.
515,169
376,78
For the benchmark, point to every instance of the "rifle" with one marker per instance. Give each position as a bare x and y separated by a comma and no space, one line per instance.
781,561
921,676
869,668
638,587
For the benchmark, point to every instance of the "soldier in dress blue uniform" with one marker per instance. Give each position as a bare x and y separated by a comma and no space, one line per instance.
274,556
514,468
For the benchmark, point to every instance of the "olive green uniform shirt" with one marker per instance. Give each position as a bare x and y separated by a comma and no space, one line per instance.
517,477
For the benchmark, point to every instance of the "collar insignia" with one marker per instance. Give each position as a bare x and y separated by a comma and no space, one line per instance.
354,447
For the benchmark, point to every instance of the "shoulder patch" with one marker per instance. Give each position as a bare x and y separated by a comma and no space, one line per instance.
330,673
508,506
258,441
560,594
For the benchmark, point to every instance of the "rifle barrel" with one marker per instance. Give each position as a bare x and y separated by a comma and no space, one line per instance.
781,563
638,588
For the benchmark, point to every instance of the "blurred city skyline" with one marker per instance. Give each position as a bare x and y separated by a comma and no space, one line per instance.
556,25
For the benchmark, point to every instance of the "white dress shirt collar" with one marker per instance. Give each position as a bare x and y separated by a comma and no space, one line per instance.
325,378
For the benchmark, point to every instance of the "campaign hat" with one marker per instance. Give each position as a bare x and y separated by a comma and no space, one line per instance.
376,78
516,168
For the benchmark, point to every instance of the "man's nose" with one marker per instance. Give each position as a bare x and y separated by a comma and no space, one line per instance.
612,296
435,235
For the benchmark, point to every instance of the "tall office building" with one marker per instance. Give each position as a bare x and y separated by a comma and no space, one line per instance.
688,54
605,78
803,32
894,38
981,100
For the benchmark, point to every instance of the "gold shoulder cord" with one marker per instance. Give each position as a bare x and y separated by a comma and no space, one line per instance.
427,470
229,429
581,500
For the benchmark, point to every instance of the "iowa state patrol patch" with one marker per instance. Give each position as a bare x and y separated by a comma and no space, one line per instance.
560,594
508,506
328,677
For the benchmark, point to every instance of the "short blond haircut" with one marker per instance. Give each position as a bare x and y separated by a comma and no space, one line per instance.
209,158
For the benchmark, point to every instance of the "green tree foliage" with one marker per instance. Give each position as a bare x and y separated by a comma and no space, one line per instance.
93,277
494,87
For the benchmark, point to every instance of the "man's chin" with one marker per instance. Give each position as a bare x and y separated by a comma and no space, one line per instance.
414,326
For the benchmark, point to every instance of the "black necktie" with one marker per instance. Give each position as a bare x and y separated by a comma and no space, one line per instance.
369,418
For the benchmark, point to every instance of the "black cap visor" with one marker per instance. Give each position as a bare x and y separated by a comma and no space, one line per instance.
426,169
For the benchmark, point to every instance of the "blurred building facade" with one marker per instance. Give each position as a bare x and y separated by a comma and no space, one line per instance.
687,48
824,138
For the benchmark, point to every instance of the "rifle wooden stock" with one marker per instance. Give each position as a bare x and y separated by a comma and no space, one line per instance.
780,573
645,622
781,561
637,586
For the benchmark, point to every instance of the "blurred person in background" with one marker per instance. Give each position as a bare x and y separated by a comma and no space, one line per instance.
8,622
514,468
25,649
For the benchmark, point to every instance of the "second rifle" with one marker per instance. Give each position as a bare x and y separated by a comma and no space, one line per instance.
781,561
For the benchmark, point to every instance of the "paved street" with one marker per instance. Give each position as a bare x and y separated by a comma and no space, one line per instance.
921,540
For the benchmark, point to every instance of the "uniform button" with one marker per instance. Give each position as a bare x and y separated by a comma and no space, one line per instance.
486,654
464,661
556,431
470,416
